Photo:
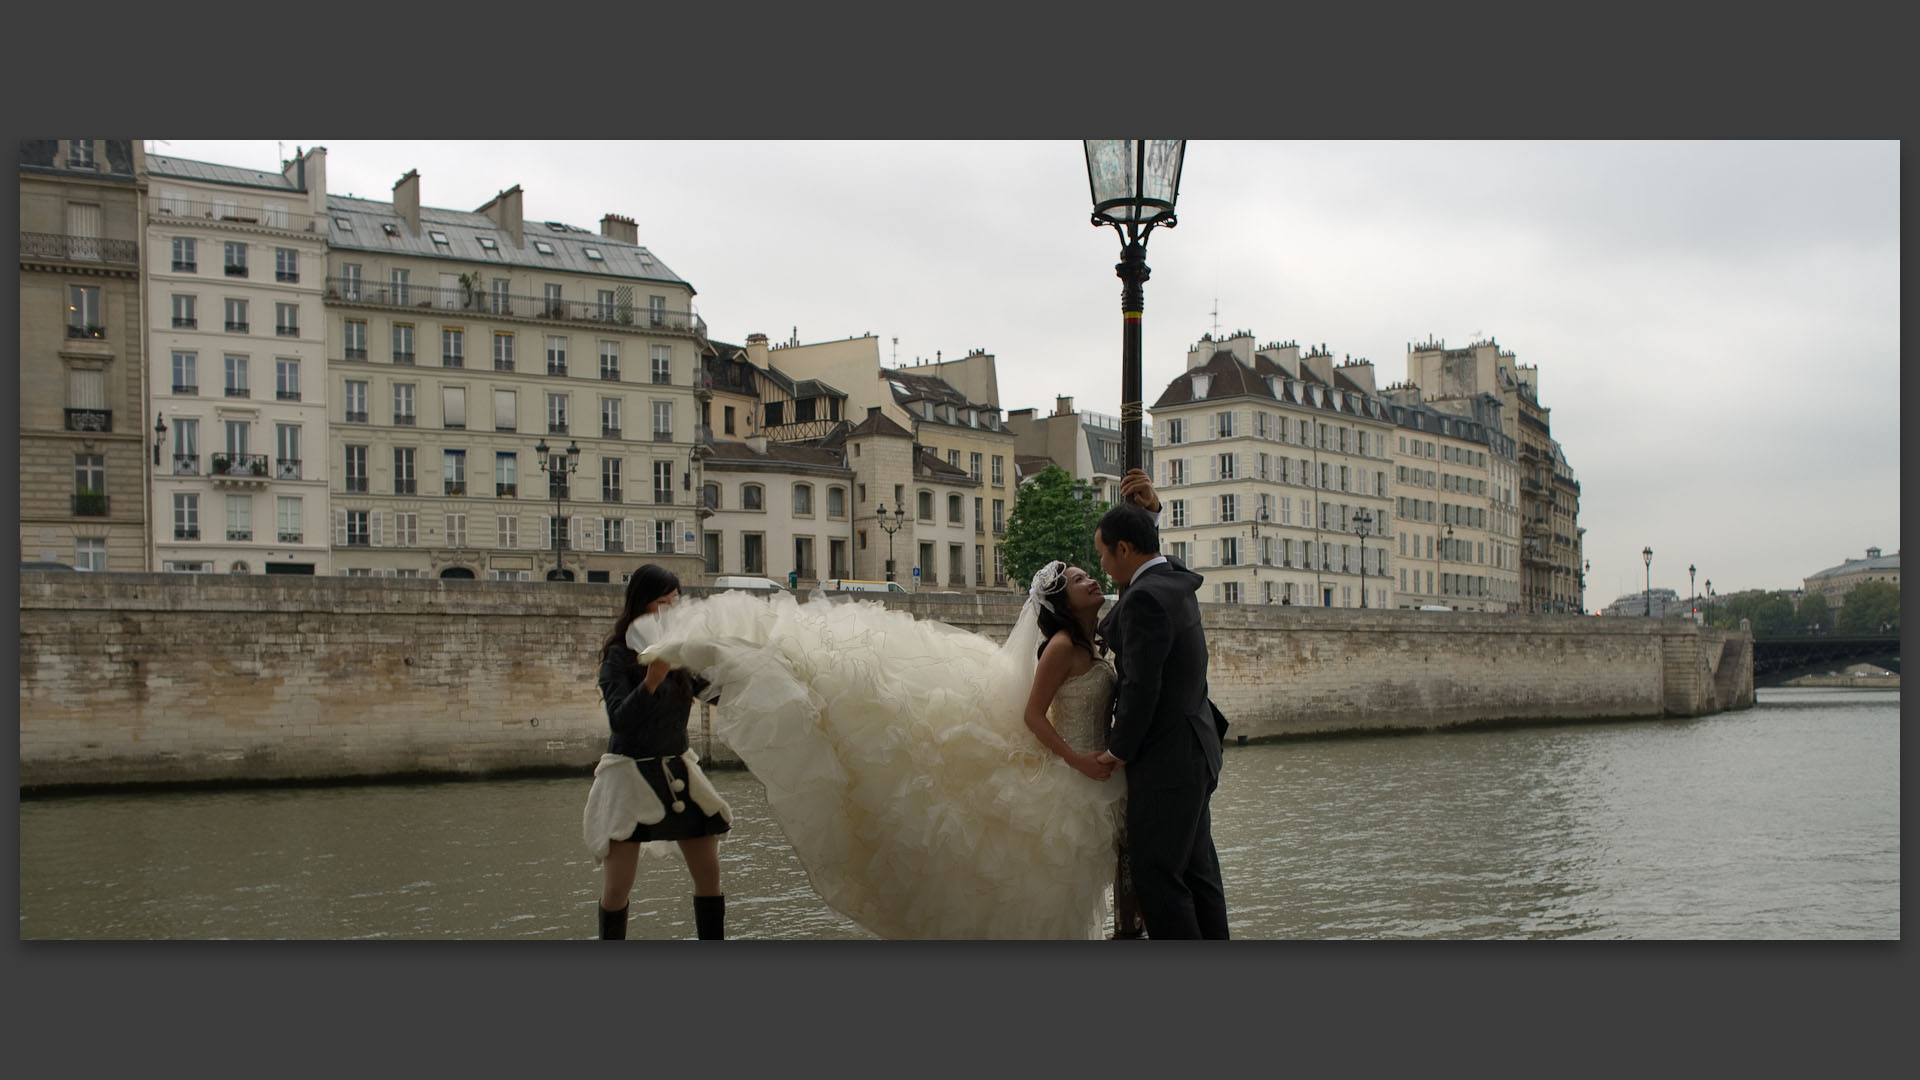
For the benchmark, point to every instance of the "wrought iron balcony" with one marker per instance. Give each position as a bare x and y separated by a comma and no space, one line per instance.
663,497
236,270
286,395
235,535
238,391
403,420
556,427
480,301
86,332
663,436
609,432
450,360
286,331
185,267
506,491
186,464
236,327
290,537
356,417
403,358
89,419
405,485
287,469
180,323
243,468
185,534
554,368
453,487
89,504
610,494
608,374
615,545
353,354
164,209
289,276
79,248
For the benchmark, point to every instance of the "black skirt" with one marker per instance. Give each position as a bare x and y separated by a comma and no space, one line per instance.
683,824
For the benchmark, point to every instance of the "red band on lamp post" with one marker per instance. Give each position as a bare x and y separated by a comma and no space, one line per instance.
1130,316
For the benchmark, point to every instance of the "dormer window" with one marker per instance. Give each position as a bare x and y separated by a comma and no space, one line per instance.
1200,383
346,224
440,239
389,229
594,254
543,247
487,242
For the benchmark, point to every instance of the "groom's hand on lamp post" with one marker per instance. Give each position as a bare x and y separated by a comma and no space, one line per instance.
1137,487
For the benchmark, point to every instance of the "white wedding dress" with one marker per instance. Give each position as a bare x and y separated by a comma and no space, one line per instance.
896,760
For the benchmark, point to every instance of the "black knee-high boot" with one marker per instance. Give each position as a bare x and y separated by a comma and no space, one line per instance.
710,917
613,924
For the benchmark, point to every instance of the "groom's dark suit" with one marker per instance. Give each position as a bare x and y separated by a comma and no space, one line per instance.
1169,735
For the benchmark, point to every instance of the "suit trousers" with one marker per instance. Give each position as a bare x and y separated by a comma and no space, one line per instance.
1176,873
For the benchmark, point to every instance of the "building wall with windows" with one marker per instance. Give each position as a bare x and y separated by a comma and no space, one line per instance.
1458,537
500,335
1087,445
776,508
881,454
1269,464
83,440
1836,581
235,261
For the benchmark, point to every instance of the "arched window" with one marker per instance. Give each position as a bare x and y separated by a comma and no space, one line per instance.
753,497
710,496
803,500
836,502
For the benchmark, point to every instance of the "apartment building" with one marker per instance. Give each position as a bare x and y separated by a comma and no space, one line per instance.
510,399
1088,445
235,267
1454,495
83,439
1273,471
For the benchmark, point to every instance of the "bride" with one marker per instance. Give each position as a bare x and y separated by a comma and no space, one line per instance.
934,784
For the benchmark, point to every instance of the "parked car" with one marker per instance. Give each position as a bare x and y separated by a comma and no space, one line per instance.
850,585
755,584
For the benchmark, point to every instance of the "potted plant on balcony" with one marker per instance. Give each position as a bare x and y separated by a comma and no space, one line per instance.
219,463
260,467
471,283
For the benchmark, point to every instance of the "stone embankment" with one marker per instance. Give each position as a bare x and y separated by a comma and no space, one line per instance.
152,678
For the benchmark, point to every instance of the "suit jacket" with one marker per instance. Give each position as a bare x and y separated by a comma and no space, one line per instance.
1164,727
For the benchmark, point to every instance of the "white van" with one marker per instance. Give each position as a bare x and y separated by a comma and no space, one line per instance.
850,585
759,584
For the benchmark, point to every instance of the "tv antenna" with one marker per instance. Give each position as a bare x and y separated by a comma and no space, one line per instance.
896,352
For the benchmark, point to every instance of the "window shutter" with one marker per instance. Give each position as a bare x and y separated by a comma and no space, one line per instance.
1213,466
648,544
1215,562
374,527
339,528
632,538
1213,510
679,538
1239,465
1213,426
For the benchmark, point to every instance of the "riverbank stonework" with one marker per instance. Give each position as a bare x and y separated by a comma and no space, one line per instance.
170,678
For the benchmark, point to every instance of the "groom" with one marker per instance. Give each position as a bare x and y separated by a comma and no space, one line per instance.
1165,730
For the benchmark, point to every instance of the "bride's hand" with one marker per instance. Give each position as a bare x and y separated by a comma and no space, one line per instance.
1091,766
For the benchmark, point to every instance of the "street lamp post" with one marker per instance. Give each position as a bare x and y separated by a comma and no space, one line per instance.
159,437
1693,598
890,527
1259,554
558,470
1363,524
1647,555
1135,183
1586,569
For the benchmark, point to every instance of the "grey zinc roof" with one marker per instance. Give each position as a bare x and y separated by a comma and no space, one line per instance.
1855,566
464,229
187,169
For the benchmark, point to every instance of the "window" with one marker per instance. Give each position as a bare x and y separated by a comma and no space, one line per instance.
453,347
999,471
236,376
506,478
507,531
1226,465
663,364
663,421
610,361
610,480
1230,592
1176,472
403,343
837,502
657,310
237,316
236,259
186,516
803,556
89,485
502,351
356,472
1229,508
286,443
592,253
729,422
753,557
186,447
401,293
979,518
610,536
926,506
239,518
453,472
286,379
710,496
403,415
186,257
974,467
501,303
89,553
752,497
1177,513
349,276
453,406
355,339
286,320
1226,425
286,264
556,414
358,533
999,526
406,529
953,458
80,153
184,379
609,417
439,239
663,482
543,247
487,243
803,500
185,313
556,354
356,401
83,312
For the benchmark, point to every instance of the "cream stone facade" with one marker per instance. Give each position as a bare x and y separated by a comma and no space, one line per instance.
1454,493
83,440
1269,463
777,508
1088,445
1836,581
235,266
461,342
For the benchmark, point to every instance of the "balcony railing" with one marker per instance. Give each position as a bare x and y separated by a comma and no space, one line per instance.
89,419
79,248
185,267
236,327
238,466
614,544
289,276
354,354
345,290
287,469
186,464
236,270
558,491
556,369
86,332
356,417
556,427
185,534
610,494
609,432
238,391
405,485
239,534
180,323
448,360
284,395
403,419
89,504
287,331
663,436
355,485
454,487
188,209
403,357
506,491
290,537
662,497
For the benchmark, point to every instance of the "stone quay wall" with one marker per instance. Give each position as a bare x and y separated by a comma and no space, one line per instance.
169,678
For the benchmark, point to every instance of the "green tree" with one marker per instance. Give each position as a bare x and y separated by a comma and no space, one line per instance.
1814,613
1773,614
1871,607
1049,522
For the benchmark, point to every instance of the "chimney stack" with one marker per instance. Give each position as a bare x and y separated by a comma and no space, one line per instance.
1063,405
623,229
757,350
406,200
504,209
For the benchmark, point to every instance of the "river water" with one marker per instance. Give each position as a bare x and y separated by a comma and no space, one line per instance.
1781,821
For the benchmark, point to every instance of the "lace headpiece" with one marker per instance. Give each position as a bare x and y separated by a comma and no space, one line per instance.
1044,582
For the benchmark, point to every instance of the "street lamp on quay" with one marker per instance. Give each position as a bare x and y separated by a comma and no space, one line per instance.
1647,555
1363,524
558,469
1259,553
1693,597
159,437
890,526
1135,184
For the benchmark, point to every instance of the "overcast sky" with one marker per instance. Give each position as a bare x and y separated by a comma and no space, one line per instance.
1716,325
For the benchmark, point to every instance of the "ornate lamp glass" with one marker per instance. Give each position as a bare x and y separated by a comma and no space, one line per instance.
1134,181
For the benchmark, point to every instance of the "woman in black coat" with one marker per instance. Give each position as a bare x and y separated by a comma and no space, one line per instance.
648,791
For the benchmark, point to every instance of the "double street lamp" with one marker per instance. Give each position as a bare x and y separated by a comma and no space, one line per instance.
1363,524
558,469
1135,184
890,526
1647,555
1693,598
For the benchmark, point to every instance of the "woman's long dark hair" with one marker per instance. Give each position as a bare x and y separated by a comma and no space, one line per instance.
649,583
1055,620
